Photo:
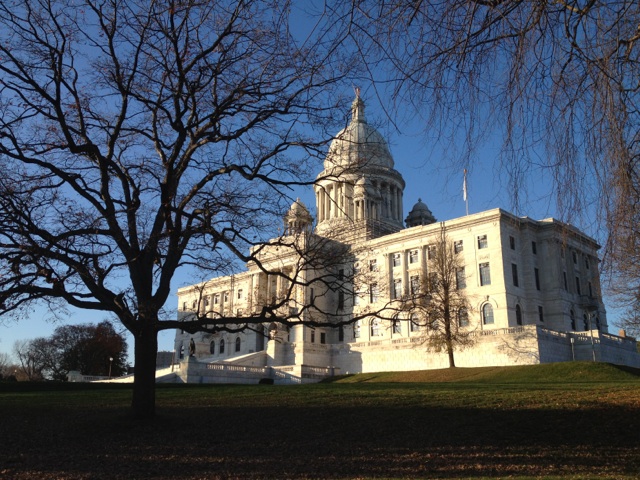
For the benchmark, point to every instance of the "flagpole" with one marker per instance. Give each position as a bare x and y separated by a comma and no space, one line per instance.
464,192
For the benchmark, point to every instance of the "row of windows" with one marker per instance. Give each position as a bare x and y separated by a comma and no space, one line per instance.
462,315
221,346
586,322
212,347
215,298
458,247
414,284
512,245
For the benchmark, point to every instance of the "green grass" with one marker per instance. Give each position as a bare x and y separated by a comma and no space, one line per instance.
549,373
575,421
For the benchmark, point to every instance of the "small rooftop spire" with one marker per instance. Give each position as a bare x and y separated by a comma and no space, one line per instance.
357,108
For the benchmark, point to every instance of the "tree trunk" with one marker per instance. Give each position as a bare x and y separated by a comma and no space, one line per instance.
452,362
144,381
448,337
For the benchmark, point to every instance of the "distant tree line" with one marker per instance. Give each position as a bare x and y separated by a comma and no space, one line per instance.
88,348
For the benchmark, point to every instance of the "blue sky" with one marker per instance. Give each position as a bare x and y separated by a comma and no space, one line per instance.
426,168
427,165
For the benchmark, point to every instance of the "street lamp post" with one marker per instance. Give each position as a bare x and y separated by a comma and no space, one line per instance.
110,362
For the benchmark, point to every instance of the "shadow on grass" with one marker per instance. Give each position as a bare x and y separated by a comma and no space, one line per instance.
252,441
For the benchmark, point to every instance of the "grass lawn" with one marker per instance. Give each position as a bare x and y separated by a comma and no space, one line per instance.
573,420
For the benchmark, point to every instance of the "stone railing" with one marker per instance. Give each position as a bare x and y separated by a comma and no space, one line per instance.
237,368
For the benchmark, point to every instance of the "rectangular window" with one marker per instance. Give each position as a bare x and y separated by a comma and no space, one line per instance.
432,280
458,246
482,241
206,300
540,313
534,248
578,286
216,299
396,260
431,252
514,274
536,274
574,255
341,334
415,284
413,256
239,294
313,336
461,278
323,337
485,274
341,274
184,305
312,294
590,290
512,242
373,265
397,289
356,329
586,262
564,278
373,293
340,299
225,297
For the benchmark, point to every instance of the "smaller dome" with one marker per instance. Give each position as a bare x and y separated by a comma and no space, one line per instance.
298,218
298,208
420,215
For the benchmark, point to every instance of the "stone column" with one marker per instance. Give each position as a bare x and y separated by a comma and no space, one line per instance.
318,205
405,272
392,202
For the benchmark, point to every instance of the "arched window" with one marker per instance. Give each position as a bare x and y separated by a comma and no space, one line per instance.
375,327
414,323
396,325
237,344
585,321
518,315
212,347
487,314
222,345
572,315
463,317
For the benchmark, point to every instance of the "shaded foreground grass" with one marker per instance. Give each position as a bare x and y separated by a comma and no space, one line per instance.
503,425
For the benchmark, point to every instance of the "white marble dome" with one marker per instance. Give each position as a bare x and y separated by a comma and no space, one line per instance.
359,144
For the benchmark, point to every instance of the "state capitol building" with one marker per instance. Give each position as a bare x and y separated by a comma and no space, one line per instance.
532,286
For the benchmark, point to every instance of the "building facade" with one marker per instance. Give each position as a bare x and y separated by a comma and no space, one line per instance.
532,286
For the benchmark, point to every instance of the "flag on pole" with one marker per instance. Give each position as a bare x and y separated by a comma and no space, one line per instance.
464,186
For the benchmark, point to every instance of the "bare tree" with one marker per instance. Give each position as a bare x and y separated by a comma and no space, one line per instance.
140,137
441,305
558,80
5,362
31,360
